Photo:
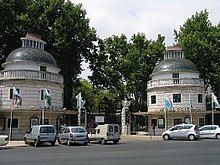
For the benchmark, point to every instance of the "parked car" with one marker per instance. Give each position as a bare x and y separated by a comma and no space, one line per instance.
210,131
182,131
105,133
3,140
39,134
73,134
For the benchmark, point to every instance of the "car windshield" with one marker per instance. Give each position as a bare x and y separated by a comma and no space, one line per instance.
78,130
47,130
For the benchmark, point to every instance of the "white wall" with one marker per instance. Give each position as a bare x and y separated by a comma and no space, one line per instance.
30,92
184,91
30,66
181,75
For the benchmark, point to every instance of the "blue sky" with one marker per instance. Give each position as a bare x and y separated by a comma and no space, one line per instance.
152,17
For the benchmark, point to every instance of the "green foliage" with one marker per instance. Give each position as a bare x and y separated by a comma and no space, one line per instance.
62,24
92,97
124,66
200,40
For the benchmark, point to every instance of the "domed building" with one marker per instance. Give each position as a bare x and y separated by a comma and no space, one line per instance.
176,81
31,71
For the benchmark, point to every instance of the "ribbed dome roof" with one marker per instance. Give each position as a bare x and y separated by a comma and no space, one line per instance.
31,54
174,65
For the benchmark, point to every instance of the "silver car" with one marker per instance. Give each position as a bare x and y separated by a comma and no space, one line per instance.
73,134
39,134
3,140
182,131
210,131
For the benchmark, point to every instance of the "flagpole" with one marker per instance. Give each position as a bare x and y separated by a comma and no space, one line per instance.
212,117
190,108
165,114
165,117
212,96
42,122
10,129
43,110
11,115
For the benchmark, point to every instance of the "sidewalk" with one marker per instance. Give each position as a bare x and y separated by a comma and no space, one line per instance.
21,143
12,144
140,137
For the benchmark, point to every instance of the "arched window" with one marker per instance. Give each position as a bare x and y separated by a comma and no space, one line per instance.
34,121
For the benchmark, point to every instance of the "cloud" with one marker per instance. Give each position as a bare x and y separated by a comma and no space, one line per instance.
152,17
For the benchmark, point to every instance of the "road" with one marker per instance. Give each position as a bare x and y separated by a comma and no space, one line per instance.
139,152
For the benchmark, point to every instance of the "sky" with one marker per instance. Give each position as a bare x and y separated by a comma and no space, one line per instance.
151,17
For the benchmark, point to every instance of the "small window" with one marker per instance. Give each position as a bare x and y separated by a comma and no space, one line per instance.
201,121
47,130
213,127
78,130
154,122
42,93
33,121
199,98
34,44
153,99
177,121
67,130
11,92
161,123
175,75
46,121
174,128
98,131
205,128
14,123
116,129
43,68
187,126
110,129
176,98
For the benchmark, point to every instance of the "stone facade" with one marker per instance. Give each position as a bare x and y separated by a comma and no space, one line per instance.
177,79
31,70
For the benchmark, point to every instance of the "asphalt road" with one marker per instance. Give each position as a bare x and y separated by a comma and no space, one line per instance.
140,152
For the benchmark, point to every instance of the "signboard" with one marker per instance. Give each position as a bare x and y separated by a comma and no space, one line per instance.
99,119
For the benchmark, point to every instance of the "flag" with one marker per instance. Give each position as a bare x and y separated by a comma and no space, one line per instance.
167,103
79,101
47,98
17,100
215,103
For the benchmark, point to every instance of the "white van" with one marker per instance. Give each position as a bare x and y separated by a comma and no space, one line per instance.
39,134
104,133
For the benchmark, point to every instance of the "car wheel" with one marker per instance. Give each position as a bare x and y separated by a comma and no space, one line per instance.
25,141
52,143
59,140
36,143
218,136
191,137
68,142
166,137
115,142
103,141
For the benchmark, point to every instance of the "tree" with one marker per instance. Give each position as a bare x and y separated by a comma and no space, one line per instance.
200,40
62,24
124,67
92,97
